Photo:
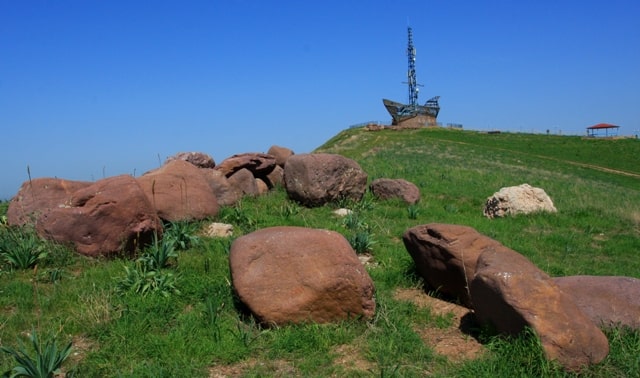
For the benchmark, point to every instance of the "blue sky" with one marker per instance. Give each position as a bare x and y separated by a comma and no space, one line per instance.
91,89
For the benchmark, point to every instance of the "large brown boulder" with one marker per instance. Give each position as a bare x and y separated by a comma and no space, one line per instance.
511,293
609,301
111,216
296,275
258,164
37,196
521,199
226,193
244,182
446,254
179,191
281,154
385,188
317,179
199,159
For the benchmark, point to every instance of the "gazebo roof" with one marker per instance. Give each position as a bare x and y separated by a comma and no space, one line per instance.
602,126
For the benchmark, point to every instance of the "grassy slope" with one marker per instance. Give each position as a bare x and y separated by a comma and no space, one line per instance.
199,332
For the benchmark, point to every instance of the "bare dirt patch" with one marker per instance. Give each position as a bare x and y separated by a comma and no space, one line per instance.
453,342
276,368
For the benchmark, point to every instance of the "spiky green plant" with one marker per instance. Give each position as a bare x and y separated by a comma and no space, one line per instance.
142,279
183,235
362,241
159,254
21,248
45,363
413,212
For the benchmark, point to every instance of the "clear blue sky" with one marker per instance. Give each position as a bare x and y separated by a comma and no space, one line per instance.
92,88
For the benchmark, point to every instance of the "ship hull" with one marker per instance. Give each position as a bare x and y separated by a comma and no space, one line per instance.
401,112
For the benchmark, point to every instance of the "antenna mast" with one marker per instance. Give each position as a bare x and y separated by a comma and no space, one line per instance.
411,74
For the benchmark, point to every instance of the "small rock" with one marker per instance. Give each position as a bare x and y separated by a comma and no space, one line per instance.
218,230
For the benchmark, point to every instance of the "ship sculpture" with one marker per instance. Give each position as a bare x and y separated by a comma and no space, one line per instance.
413,114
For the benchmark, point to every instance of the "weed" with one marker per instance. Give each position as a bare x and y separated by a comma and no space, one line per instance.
413,212
213,307
362,241
183,235
141,279
159,254
45,363
289,209
239,216
353,222
21,248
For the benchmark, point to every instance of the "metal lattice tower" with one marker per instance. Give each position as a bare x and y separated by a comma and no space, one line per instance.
411,74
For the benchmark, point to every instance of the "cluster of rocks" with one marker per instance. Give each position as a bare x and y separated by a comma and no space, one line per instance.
509,292
117,215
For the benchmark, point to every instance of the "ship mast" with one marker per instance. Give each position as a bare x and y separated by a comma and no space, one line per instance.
411,73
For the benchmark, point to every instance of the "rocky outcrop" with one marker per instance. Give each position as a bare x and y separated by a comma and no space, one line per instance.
317,179
609,301
513,200
385,188
446,255
511,293
296,275
179,191
110,217
39,195
199,159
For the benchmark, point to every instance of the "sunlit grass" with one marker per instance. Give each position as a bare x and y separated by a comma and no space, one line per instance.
201,328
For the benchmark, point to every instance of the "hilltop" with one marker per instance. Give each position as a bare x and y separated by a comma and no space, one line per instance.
595,185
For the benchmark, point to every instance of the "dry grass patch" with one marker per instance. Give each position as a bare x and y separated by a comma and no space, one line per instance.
350,359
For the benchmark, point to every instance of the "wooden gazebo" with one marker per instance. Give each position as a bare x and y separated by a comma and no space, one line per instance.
596,130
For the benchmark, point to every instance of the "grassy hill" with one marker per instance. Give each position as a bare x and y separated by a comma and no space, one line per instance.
595,185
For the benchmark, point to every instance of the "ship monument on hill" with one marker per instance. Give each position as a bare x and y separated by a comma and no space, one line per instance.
413,114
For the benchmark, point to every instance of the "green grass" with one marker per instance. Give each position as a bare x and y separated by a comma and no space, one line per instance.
198,330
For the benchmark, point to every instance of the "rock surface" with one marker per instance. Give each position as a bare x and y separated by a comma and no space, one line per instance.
296,275
446,255
109,217
513,200
385,188
281,154
226,193
609,301
199,159
317,179
258,164
511,293
39,195
244,182
180,192
218,230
